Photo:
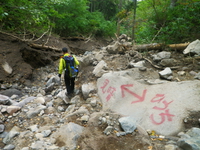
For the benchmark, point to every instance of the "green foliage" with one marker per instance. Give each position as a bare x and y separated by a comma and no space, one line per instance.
22,15
158,22
65,17
108,8
182,23
78,20
98,26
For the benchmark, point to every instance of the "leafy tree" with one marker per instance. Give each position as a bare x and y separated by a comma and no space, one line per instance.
64,17
22,16
76,19
109,8
159,22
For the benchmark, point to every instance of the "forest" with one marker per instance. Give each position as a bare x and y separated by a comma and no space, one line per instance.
145,21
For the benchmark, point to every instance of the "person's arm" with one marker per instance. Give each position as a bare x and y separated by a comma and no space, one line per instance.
61,67
76,61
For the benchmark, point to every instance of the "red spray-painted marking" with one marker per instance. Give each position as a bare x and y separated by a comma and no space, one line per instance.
110,90
165,105
167,114
140,98
158,98
104,85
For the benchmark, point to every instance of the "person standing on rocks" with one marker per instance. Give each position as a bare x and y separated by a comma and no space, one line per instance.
69,79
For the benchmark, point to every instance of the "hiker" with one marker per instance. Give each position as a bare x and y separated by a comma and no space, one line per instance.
63,65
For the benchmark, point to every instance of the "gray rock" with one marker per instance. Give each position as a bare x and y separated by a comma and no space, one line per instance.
86,60
113,49
14,96
10,92
14,132
2,127
70,109
35,111
68,134
99,56
46,133
168,62
193,47
12,109
61,109
4,99
49,88
108,130
128,124
171,147
139,64
181,73
25,148
88,88
53,79
121,133
3,135
161,55
98,70
142,68
166,73
193,73
75,99
34,128
9,147
192,141
197,76
25,101
84,118
62,95
39,100
93,102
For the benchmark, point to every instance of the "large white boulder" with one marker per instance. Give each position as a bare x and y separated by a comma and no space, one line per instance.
159,107
193,47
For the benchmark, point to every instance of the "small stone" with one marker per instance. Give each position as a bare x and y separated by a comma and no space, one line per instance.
46,133
142,68
12,109
9,147
181,73
2,127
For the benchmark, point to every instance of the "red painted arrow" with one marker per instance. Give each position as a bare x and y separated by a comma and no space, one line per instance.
140,98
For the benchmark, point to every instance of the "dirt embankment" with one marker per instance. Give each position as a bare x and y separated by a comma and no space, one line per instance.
18,59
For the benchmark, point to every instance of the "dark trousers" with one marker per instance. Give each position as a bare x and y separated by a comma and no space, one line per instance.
69,82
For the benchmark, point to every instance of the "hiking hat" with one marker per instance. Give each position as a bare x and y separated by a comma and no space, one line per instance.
64,49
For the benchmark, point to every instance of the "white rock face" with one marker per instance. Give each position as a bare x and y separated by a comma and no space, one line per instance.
87,89
154,107
7,68
193,47
161,55
98,70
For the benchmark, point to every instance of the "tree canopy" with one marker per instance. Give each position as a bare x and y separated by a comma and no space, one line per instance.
165,21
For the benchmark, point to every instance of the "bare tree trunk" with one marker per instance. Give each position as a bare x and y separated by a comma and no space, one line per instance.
134,16
156,46
173,3
118,21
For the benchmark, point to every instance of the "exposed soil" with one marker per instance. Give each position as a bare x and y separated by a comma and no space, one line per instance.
25,60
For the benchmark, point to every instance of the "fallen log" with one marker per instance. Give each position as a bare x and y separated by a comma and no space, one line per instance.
37,46
156,46
153,46
180,46
158,67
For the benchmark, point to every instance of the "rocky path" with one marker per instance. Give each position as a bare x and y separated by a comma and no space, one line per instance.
37,115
